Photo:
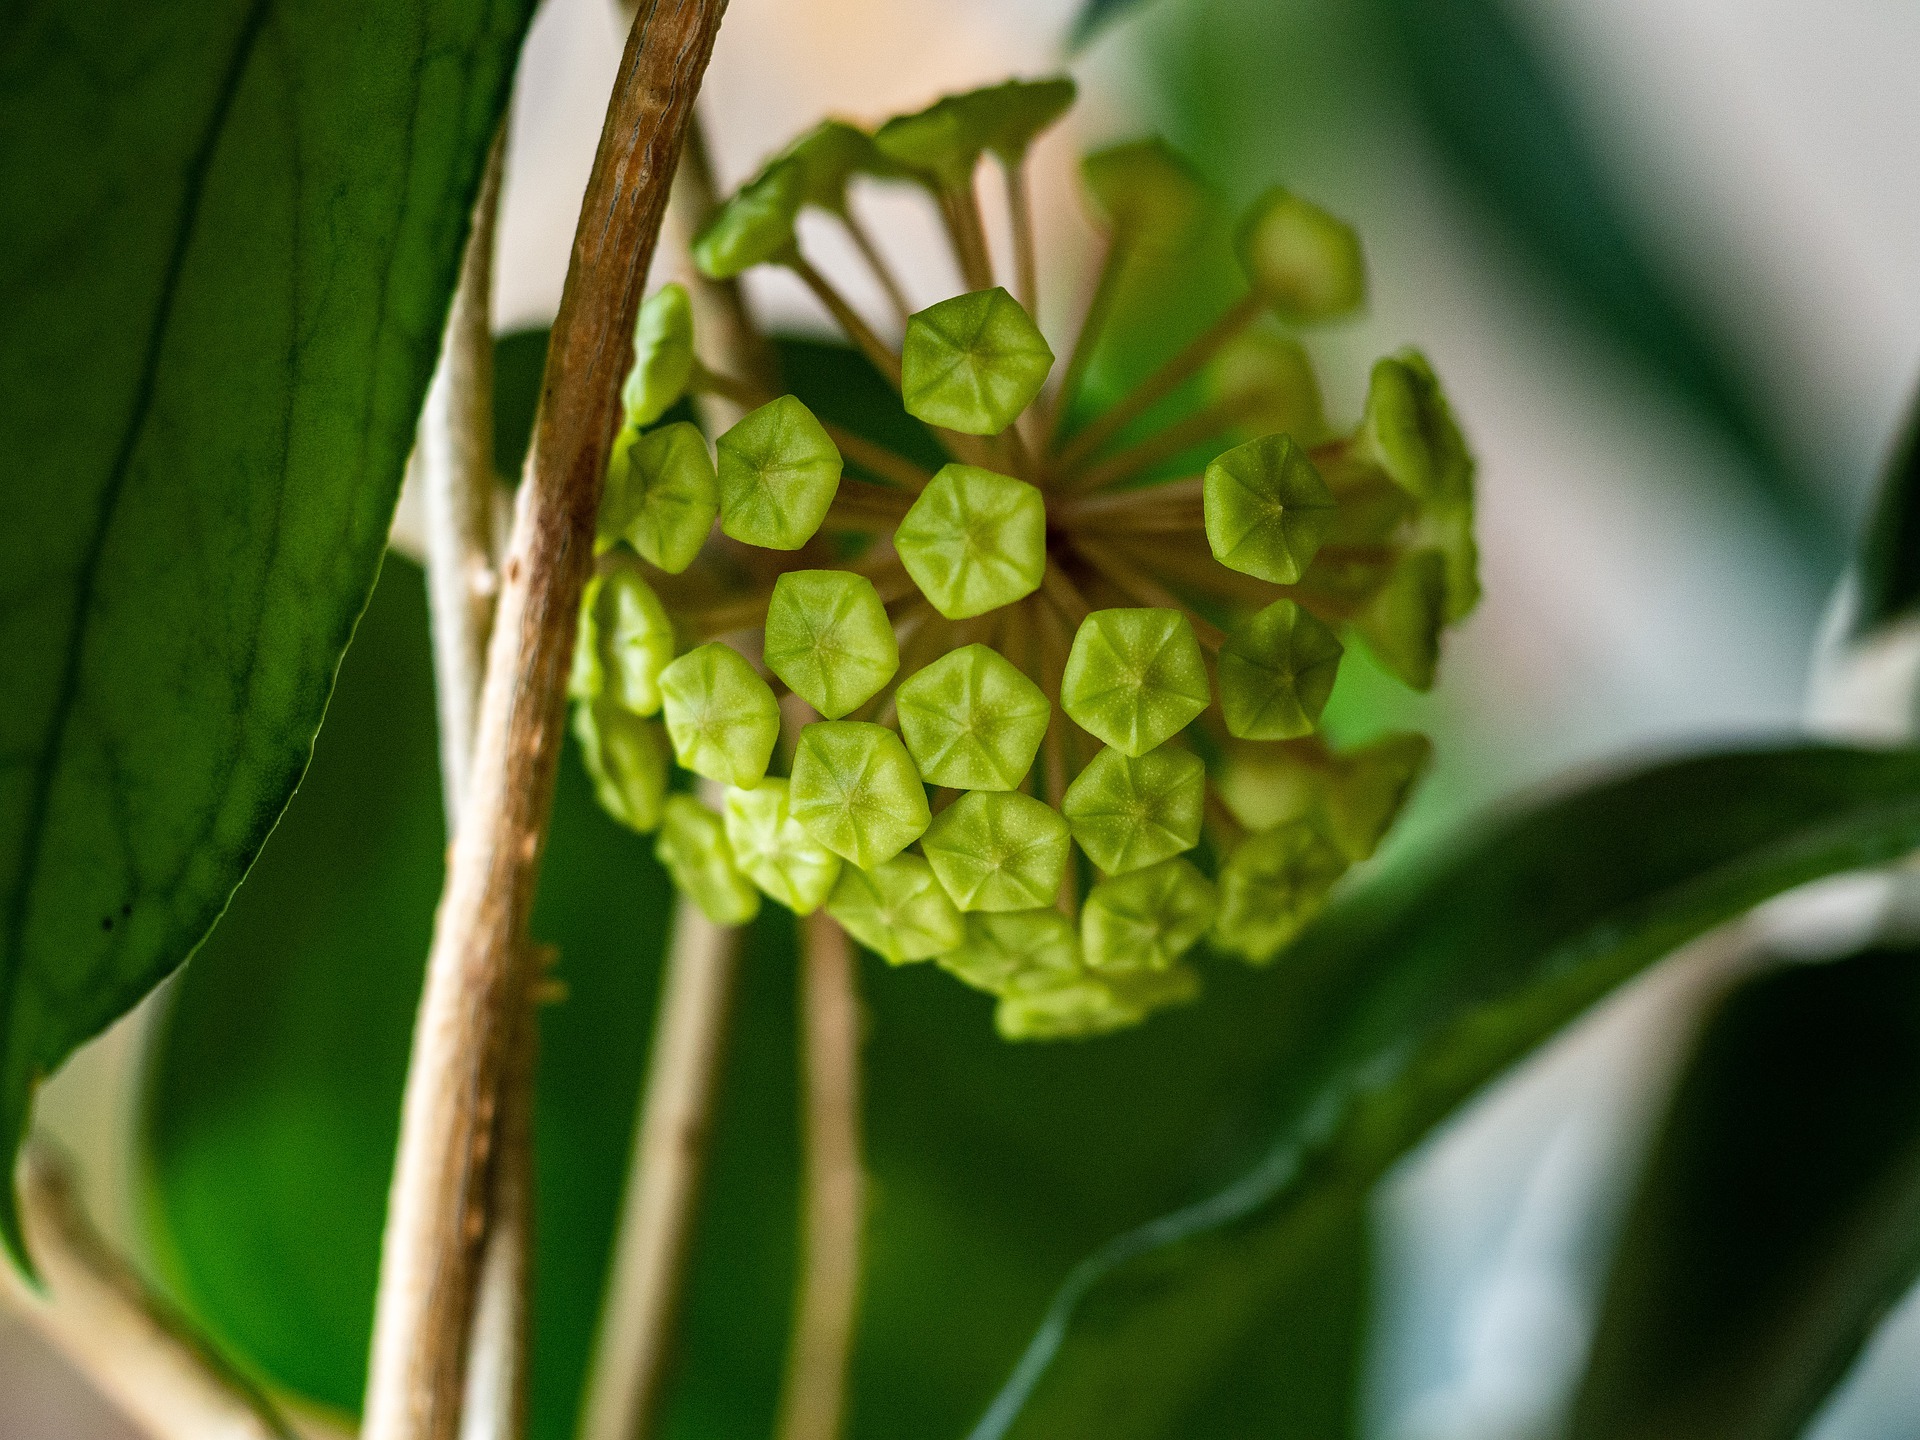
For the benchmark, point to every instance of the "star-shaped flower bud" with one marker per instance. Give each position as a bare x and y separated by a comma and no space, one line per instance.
1352,797
1272,884
1130,812
779,472
1370,787
830,155
775,851
1401,623
1149,990
1134,678
998,850
662,356
942,142
1147,192
855,791
626,758
974,541
721,715
1304,264
754,226
1145,919
1409,431
692,844
1012,114
661,495
1277,669
1079,1011
973,363
1268,379
624,641
1018,950
1267,510
829,639
897,910
972,721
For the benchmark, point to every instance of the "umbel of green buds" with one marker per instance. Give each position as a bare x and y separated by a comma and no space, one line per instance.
1047,710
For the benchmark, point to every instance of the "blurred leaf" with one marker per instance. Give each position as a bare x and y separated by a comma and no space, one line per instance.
230,232
1779,1217
1406,998
1889,561
1094,16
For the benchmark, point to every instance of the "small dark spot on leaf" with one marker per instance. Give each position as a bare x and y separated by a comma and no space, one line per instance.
126,909
106,922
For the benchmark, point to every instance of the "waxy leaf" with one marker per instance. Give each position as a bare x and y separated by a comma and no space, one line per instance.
998,850
973,363
779,472
855,790
662,356
829,639
1400,1003
1302,262
1129,812
721,715
692,844
231,231
897,909
661,495
1267,509
1277,669
972,720
974,541
1134,678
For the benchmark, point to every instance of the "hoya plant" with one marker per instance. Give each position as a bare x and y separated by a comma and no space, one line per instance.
902,953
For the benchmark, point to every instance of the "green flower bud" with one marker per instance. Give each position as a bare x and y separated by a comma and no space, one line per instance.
1408,430
624,641
998,850
1370,786
943,141
1149,990
661,495
1131,812
1017,951
1079,1011
1012,114
626,759
972,721
775,851
1267,509
830,155
1277,669
856,792
1147,192
662,356
1302,262
692,844
897,910
1401,623
1273,883
779,472
721,715
829,639
1134,678
1269,379
974,541
1145,919
973,363
754,226
1448,528
1352,798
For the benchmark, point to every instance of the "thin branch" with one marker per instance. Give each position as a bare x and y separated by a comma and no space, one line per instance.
1026,270
475,970
1204,424
863,241
1157,386
1143,589
813,1397
969,235
848,319
633,1344
1094,320
133,1346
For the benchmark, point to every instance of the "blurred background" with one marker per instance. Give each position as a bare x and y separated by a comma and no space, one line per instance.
1665,255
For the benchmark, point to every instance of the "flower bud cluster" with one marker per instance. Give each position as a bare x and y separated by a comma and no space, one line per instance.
1049,715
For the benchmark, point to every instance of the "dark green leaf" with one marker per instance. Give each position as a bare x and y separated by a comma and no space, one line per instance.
1779,1216
1889,562
1405,999
230,232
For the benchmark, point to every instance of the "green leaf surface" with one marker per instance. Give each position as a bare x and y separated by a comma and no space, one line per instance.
1779,1215
230,233
1396,1007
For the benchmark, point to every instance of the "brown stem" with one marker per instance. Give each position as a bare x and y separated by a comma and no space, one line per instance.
969,235
1176,505
1143,589
125,1338
877,262
1026,281
1157,386
475,973
634,1341
1202,425
813,1395
848,319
